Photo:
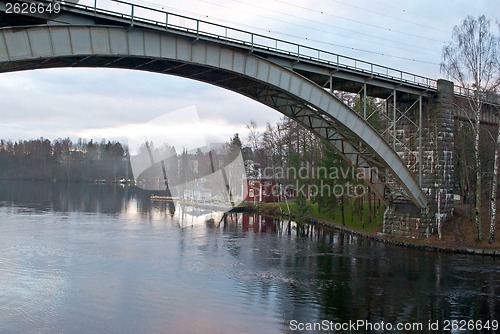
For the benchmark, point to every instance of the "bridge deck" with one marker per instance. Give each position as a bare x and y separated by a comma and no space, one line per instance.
327,69
142,16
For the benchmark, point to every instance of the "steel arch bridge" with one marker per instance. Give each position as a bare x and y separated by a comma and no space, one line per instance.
100,38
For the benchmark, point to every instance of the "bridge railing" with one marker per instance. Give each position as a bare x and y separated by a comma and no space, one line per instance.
161,19
490,98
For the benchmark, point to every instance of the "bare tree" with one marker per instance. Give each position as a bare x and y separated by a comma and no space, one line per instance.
493,201
254,136
495,169
471,59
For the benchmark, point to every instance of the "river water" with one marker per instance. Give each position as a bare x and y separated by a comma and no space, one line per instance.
83,258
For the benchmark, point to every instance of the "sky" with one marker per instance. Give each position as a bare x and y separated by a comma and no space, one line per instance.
101,103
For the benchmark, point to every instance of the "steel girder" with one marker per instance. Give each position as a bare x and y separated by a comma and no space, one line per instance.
167,52
378,176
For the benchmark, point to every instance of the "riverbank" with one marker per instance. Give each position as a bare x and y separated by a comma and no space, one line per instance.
458,233
432,243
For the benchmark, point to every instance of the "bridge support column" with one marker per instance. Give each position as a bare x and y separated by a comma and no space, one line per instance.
435,170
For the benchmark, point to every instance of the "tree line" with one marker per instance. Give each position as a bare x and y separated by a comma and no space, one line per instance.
62,160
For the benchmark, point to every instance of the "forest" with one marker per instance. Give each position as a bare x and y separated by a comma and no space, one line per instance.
62,160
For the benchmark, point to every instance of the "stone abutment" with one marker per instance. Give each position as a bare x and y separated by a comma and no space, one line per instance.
435,170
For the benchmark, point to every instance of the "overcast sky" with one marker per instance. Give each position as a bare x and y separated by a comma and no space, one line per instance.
96,103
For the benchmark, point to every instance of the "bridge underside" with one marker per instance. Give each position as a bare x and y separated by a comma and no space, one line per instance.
28,48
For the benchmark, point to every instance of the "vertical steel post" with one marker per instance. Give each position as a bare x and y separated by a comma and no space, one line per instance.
95,6
166,21
387,119
364,101
420,148
394,120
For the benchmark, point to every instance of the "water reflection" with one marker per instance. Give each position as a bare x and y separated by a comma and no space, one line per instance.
106,259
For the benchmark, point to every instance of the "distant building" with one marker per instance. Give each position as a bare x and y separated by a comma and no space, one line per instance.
197,194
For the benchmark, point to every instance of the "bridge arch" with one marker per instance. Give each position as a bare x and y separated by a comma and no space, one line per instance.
246,73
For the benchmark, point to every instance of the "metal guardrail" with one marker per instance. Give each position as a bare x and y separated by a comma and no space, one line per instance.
470,94
139,14
132,13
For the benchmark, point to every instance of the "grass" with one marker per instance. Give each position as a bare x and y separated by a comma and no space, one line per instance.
351,217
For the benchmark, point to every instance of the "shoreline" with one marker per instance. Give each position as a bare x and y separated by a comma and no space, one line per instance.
393,240
398,241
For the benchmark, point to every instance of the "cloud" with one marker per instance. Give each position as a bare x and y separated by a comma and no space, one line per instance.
104,103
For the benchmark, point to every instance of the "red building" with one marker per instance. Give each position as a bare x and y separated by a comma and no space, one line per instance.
260,190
